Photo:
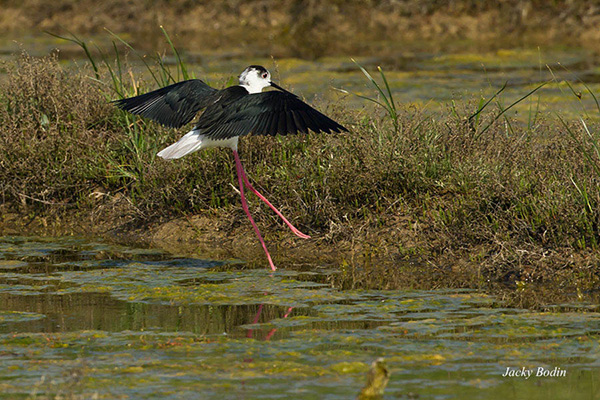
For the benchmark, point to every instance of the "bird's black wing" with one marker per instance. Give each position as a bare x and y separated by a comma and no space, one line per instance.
269,113
174,105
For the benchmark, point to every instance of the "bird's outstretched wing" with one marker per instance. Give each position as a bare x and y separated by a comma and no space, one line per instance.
174,105
268,113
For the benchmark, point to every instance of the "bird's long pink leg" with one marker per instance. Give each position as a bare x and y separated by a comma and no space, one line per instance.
260,196
240,173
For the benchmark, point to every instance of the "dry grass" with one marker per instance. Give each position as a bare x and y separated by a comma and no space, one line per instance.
55,125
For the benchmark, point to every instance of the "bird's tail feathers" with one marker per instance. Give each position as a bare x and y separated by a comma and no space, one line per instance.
191,142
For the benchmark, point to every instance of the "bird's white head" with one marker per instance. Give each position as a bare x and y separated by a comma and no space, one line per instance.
255,78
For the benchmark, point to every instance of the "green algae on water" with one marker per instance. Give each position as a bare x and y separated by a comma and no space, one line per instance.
164,328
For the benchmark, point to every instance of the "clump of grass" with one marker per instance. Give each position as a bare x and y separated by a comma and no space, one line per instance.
55,123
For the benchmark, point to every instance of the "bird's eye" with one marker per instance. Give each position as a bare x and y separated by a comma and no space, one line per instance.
264,75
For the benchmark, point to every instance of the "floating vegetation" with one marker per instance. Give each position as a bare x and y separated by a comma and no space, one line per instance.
163,327
377,380
18,316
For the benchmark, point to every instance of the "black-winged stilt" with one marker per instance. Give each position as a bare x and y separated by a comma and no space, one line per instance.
230,113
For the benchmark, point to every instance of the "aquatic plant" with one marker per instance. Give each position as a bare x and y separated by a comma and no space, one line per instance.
387,98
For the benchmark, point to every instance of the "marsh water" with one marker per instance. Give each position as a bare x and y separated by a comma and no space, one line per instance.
431,78
85,319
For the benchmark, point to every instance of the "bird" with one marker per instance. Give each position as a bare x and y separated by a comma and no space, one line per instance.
230,113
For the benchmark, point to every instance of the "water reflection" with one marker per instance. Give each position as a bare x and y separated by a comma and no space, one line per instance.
257,319
100,311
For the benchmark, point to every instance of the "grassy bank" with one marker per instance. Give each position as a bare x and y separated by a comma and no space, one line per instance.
311,29
407,199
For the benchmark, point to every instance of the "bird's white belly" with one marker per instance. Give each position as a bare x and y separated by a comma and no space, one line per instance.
194,141
231,143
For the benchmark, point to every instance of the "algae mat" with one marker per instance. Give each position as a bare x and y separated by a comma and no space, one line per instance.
80,320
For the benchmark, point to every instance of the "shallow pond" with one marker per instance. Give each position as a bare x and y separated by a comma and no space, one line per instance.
433,80
83,319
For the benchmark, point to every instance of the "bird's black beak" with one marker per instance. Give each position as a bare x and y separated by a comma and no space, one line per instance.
276,86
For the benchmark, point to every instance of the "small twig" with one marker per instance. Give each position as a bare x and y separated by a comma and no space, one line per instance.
234,188
43,201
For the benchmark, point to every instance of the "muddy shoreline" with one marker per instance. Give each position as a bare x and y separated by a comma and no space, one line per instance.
373,260
206,236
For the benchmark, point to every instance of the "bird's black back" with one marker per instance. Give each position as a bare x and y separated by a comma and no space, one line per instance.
239,113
